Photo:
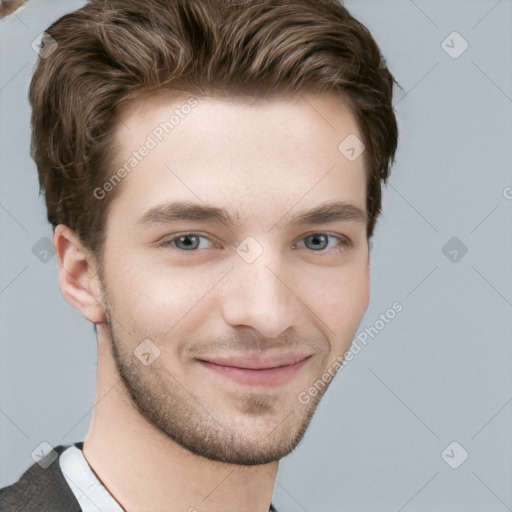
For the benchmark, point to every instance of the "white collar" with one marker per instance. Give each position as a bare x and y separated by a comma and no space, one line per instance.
88,490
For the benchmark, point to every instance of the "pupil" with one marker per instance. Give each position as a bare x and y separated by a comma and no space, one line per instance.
187,238
316,239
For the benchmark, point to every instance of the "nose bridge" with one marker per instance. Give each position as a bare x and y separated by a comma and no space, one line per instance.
259,294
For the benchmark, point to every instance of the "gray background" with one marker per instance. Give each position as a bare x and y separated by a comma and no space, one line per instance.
439,372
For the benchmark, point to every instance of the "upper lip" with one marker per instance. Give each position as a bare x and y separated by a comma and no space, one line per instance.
254,361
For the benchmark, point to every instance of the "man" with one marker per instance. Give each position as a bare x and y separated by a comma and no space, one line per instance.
212,171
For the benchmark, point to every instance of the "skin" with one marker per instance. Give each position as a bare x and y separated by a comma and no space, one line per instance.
173,435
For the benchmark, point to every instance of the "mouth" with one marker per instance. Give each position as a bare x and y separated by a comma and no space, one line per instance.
257,372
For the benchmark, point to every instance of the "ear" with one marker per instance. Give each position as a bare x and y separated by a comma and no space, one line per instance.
78,274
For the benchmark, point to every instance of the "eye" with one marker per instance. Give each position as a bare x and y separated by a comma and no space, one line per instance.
316,242
319,242
185,241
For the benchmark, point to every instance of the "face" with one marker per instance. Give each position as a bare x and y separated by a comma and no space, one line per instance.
224,300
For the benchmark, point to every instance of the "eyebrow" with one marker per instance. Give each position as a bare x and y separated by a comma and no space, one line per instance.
187,211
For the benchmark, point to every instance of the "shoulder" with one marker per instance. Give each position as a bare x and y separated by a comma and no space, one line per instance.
41,488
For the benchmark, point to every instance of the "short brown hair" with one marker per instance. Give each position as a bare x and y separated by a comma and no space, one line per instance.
110,52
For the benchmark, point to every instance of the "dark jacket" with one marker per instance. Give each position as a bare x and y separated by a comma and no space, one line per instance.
40,490
43,490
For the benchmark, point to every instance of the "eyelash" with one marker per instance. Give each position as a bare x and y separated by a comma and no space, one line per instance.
345,243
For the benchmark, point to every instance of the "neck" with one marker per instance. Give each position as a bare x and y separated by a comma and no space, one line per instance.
144,469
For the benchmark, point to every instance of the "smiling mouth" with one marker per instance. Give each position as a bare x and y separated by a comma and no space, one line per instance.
267,376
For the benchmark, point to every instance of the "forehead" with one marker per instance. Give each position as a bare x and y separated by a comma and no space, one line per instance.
252,154
281,118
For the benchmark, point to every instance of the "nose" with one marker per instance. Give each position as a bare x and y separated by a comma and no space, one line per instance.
262,295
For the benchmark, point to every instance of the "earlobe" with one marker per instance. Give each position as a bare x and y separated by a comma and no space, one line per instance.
78,277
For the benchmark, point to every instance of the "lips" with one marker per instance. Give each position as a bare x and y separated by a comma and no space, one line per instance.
257,361
256,370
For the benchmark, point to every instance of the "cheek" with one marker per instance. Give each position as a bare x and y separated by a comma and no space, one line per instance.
341,300
158,300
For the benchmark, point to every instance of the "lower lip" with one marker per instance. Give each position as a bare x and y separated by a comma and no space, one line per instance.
271,377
